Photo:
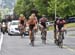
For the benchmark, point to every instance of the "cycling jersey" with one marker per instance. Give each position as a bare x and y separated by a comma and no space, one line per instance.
22,19
60,24
43,22
31,24
36,20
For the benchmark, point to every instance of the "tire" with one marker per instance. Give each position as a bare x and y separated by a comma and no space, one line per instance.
32,42
3,32
43,38
61,45
60,42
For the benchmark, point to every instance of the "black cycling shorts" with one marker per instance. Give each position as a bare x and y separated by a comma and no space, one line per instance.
22,22
60,27
43,24
31,26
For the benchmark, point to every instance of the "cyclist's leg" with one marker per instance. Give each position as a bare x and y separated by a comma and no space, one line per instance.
63,32
43,26
23,30
55,36
41,29
45,30
30,32
58,32
44,37
20,31
30,35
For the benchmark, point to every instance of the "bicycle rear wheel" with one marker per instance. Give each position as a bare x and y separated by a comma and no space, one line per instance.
60,40
43,37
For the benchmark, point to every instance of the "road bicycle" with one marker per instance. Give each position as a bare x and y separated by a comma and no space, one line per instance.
43,33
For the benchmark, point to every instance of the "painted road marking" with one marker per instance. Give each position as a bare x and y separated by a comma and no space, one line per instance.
71,36
1,40
68,48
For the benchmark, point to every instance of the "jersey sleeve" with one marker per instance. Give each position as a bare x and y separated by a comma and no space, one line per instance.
64,21
57,22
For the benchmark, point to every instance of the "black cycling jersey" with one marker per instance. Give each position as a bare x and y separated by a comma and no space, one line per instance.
60,24
22,22
43,22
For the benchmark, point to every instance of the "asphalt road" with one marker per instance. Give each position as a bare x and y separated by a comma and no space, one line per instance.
15,45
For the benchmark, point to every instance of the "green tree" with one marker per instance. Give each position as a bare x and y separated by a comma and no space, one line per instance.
23,7
64,7
19,7
41,6
47,7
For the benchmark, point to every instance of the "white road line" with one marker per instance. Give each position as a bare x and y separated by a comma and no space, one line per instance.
68,48
1,40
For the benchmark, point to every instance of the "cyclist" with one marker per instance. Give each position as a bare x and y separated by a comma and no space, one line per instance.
22,23
60,26
43,24
36,20
55,29
32,25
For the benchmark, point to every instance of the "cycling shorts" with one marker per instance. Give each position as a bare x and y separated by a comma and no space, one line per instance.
43,24
31,26
22,22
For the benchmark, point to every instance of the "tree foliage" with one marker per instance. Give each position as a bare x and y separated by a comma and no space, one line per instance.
63,7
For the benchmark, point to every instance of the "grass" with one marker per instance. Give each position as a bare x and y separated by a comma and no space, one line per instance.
69,25
72,35
51,28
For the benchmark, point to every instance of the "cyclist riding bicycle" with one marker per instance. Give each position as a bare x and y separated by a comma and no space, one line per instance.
22,23
43,21
32,25
36,20
60,26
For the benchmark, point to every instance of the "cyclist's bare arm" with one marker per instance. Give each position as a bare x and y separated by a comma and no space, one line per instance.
28,22
56,27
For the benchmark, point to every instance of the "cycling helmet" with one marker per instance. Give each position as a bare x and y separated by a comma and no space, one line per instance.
31,18
21,15
43,15
33,14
